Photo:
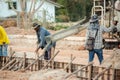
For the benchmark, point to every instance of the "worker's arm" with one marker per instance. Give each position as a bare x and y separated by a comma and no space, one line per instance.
118,27
86,37
37,49
105,29
41,37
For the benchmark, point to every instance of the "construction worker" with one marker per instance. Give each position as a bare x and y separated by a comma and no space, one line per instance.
117,27
4,41
95,30
115,22
41,34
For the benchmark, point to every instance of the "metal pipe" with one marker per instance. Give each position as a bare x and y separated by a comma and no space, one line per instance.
104,11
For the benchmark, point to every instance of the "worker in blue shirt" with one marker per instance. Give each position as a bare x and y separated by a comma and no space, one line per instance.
41,33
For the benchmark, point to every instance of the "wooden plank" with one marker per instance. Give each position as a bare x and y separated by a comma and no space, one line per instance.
70,66
102,72
52,54
69,63
107,74
50,60
90,68
10,67
8,64
39,63
24,61
78,70
9,58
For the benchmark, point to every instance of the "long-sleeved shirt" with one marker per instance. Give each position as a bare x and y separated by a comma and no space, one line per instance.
117,26
41,34
99,38
3,36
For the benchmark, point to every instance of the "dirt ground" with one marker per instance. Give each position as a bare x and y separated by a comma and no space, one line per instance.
66,50
64,55
14,75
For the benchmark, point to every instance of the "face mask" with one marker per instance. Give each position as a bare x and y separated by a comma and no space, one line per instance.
94,25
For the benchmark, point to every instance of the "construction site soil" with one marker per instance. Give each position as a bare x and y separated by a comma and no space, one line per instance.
72,45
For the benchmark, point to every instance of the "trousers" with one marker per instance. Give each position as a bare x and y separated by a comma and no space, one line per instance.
99,53
3,50
47,55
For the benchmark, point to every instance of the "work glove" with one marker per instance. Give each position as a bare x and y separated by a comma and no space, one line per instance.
42,47
114,30
37,49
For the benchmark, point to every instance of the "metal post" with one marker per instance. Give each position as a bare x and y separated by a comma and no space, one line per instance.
104,11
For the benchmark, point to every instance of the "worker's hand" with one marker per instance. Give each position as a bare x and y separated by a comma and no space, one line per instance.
37,42
115,22
42,47
114,30
36,51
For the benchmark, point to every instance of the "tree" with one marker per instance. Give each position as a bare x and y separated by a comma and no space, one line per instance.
75,9
25,16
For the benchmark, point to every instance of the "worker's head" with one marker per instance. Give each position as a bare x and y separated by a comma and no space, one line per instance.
94,18
94,22
115,22
36,26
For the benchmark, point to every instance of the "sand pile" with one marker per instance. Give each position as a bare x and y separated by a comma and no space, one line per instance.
14,75
50,74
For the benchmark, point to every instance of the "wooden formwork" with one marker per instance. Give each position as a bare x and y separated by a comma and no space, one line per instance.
117,74
84,72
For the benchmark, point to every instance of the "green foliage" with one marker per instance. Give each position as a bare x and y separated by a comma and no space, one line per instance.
73,9
58,27
62,18
88,7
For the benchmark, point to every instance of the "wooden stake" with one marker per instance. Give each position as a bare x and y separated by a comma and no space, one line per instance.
38,57
8,64
100,74
9,58
78,70
69,63
24,61
52,54
50,60
90,68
